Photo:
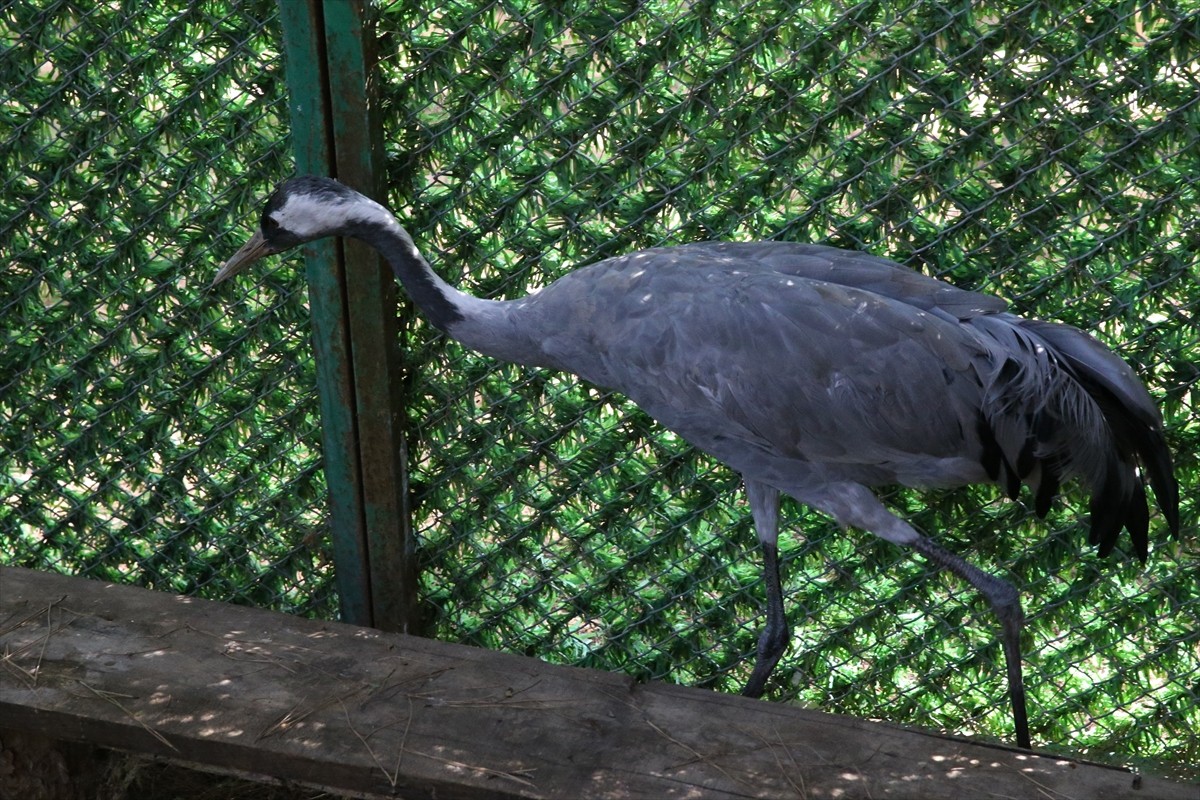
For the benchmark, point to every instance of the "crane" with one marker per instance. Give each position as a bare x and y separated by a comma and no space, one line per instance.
814,372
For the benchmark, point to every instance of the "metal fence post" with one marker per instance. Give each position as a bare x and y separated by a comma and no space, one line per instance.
353,297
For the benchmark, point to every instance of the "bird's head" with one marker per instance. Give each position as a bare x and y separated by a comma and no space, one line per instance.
301,210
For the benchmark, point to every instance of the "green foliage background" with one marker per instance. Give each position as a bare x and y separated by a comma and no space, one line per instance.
156,433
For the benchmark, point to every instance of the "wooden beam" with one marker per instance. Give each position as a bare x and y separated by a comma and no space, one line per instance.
359,711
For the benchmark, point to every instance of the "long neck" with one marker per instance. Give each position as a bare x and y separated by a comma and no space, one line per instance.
487,326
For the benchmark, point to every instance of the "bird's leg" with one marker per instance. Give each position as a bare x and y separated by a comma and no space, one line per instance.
774,637
1006,604
764,505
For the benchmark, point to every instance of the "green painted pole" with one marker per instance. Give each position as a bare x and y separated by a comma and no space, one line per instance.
328,49
373,302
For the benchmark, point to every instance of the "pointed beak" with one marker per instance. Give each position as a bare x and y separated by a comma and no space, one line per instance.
251,251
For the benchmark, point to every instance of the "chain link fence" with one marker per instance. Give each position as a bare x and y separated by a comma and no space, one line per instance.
149,433
159,434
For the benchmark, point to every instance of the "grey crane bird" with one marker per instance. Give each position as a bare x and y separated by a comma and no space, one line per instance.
814,372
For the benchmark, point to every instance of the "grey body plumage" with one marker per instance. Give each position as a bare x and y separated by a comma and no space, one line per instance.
814,372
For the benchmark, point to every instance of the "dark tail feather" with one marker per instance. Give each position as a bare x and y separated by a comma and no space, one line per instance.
1137,522
1151,451
1156,458
1137,428
1108,509
995,463
1047,489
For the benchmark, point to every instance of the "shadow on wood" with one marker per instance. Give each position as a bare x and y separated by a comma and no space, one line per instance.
357,711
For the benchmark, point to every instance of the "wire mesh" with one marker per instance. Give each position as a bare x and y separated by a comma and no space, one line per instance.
1043,152
155,434
150,434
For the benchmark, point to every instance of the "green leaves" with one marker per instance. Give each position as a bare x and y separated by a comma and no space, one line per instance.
149,433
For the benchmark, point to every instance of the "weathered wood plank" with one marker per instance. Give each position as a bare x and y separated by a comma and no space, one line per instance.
357,710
